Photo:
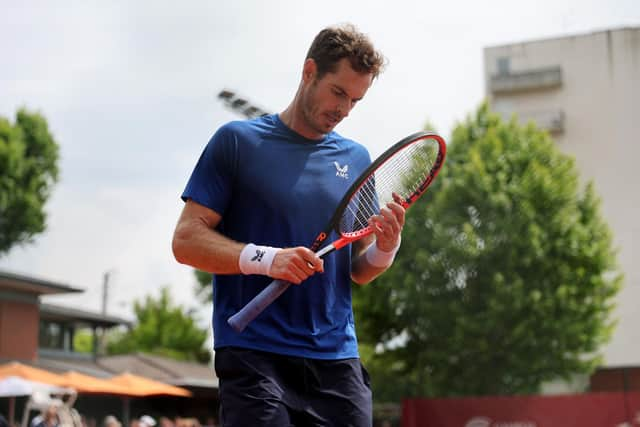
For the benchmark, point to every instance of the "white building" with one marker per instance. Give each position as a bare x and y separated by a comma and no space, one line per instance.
585,89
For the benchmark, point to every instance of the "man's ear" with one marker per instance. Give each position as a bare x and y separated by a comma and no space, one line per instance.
309,70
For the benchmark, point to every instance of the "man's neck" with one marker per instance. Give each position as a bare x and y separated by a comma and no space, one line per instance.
292,117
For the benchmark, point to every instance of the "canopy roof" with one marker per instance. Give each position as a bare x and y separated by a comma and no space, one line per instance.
124,385
27,372
149,387
88,384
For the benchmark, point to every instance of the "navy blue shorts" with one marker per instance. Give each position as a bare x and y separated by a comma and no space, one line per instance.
266,389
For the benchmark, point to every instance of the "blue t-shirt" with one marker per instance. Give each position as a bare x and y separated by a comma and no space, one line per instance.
274,187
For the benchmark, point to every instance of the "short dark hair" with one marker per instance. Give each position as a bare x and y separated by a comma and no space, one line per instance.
335,43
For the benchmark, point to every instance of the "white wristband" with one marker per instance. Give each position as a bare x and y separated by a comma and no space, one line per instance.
256,259
379,258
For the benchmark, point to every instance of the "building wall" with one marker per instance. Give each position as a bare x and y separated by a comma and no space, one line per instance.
615,379
18,329
599,97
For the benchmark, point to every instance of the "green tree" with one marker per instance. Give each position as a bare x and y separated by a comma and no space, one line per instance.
83,341
162,329
505,278
203,289
28,171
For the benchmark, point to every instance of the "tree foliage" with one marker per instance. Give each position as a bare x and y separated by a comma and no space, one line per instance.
505,278
162,329
203,288
83,341
28,171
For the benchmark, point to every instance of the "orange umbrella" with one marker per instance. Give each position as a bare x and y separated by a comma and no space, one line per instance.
15,370
147,387
30,373
88,384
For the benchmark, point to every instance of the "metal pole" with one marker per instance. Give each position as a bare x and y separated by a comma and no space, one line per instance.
105,292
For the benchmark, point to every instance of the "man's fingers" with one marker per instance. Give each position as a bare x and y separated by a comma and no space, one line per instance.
298,274
399,200
313,261
388,221
388,225
395,211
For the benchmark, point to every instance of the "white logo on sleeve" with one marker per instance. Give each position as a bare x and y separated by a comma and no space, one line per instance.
342,171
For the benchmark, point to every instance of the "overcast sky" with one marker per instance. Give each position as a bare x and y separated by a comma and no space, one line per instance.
129,91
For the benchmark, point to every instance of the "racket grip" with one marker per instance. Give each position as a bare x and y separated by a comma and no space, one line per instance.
242,318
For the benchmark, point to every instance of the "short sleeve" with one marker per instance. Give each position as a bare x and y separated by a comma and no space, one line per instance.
212,178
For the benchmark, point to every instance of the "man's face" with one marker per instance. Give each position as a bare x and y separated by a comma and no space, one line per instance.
51,413
326,101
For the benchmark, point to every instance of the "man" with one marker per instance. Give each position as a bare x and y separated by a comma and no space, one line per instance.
111,421
147,421
258,195
50,417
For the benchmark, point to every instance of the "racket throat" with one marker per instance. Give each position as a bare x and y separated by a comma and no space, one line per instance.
326,250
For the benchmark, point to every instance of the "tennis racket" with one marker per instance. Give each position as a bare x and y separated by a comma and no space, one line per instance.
401,174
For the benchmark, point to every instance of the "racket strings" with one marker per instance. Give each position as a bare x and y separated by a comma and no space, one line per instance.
404,174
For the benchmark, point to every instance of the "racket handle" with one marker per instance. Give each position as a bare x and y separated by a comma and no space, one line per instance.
242,318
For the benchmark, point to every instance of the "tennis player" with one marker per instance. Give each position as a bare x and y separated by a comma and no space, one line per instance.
259,194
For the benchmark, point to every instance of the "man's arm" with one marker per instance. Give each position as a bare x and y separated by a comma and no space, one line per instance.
387,228
198,244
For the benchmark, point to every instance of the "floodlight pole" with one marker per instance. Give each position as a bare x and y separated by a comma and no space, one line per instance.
240,105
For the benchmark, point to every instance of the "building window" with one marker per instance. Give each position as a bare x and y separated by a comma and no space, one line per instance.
55,336
504,64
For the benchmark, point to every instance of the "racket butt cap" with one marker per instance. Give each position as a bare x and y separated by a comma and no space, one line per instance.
236,324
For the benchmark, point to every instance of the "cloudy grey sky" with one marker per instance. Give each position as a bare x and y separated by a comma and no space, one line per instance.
129,90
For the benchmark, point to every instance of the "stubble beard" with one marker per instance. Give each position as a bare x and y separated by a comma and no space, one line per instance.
310,111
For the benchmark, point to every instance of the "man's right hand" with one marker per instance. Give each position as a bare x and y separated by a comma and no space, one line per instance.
295,264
